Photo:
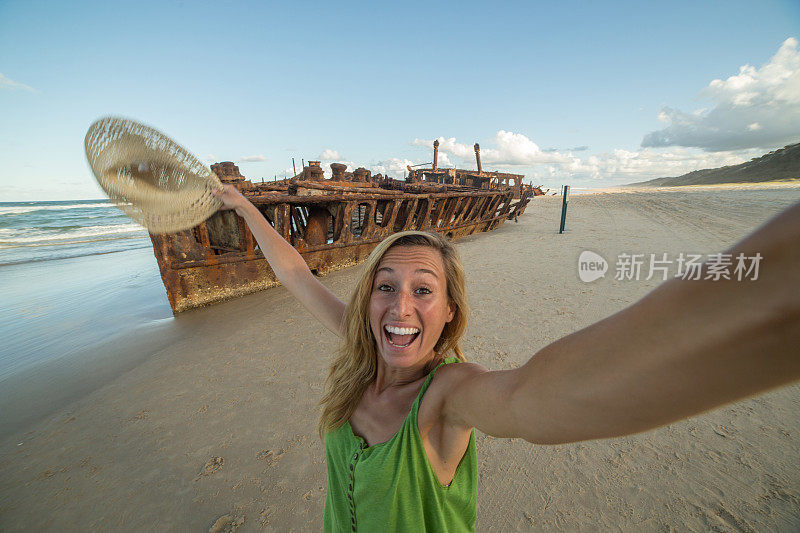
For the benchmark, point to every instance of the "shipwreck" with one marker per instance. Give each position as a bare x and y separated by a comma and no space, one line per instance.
333,223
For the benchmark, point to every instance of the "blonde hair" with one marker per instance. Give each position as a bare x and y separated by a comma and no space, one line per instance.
356,364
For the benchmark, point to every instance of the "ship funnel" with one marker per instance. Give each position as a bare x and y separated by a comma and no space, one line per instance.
478,155
435,154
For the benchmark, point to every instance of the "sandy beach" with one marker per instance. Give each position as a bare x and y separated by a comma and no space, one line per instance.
216,430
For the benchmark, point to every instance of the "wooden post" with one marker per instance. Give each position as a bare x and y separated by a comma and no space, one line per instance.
293,168
564,208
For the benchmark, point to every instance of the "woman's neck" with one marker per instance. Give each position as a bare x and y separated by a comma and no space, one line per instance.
397,377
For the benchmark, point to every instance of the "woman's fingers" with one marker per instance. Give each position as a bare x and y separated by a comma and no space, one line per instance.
229,195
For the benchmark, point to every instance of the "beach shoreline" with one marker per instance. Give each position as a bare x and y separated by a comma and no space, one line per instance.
220,420
73,324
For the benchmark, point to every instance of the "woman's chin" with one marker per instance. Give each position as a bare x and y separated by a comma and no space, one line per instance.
406,357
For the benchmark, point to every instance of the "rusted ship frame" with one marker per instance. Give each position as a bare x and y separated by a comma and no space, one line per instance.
332,224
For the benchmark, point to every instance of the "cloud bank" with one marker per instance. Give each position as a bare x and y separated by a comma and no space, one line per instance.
756,108
515,152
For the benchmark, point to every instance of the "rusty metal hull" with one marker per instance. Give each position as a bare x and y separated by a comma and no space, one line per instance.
331,229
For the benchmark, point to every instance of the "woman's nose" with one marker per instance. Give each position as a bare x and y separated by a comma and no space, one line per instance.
403,304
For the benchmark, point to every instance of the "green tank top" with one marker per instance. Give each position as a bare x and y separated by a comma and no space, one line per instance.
391,486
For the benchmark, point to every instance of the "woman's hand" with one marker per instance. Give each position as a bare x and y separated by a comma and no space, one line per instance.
232,199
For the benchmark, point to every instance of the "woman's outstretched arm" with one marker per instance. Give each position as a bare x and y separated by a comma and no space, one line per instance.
289,267
685,348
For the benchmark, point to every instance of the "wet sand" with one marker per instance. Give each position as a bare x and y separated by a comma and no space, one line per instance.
63,323
217,429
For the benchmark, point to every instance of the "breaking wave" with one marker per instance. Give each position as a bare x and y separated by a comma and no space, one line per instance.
46,237
22,209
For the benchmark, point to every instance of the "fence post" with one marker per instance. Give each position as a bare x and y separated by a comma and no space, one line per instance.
564,201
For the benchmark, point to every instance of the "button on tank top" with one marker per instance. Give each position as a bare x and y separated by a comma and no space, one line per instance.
392,486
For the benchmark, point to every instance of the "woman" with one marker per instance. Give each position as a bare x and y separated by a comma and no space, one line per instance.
398,462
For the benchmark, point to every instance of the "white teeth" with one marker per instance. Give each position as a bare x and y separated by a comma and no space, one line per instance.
401,331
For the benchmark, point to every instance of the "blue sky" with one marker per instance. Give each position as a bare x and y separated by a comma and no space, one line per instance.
585,93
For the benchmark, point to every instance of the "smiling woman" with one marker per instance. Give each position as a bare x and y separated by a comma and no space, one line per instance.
410,283
410,304
383,448
406,314
399,416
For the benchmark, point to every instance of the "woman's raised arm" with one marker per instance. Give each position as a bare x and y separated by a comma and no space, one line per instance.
685,348
288,265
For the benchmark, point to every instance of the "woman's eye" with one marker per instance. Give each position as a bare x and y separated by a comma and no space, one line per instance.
423,290
384,287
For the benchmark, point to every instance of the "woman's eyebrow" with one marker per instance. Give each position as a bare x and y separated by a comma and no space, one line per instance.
417,271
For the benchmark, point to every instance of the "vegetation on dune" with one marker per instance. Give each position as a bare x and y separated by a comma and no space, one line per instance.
779,164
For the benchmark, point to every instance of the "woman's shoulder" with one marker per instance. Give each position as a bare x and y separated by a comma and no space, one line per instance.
446,380
451,375
458,368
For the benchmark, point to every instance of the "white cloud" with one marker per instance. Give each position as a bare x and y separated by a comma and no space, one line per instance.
506,149
394,167
768,97
443,161
517,149
626,166
447,146
210,158
329,155
8,83
651,163
252,158
523,156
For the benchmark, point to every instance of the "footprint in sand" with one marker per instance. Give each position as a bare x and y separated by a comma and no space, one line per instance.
226,524
723,431
270,456
264,454
264,516
213,464
46,474
141,415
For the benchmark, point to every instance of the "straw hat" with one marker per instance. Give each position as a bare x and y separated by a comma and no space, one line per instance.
150,177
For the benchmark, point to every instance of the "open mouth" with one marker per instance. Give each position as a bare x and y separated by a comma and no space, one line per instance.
400,337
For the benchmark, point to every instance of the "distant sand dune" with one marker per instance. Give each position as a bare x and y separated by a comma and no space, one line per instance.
781,164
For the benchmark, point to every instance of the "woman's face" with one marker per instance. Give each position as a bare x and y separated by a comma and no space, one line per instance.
409,306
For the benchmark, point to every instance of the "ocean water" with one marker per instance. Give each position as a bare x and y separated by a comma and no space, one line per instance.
43,231
80,293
